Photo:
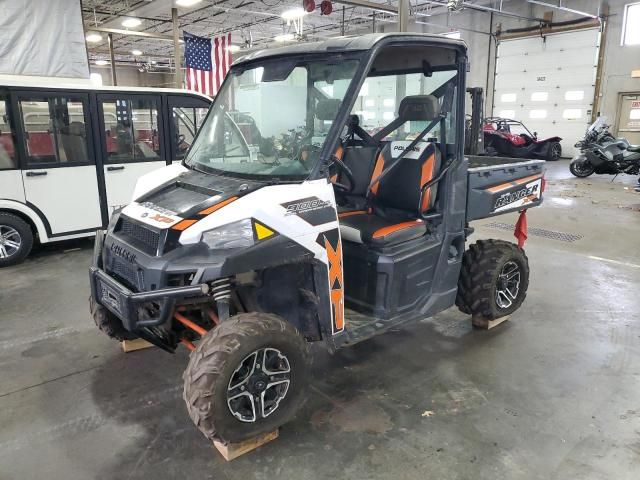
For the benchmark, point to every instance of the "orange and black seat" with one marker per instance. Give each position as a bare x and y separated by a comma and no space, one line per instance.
396,200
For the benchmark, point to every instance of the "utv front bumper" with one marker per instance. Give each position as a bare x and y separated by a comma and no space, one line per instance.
136,309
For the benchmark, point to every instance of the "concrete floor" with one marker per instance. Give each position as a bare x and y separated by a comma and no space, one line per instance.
552,394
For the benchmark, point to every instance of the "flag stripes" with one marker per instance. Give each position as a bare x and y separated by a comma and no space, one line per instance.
207,61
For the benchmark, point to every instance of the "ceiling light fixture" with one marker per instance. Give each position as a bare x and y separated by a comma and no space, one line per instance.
101,63
293,14
187,3
93,37
233,48
285,37
136,53
131,22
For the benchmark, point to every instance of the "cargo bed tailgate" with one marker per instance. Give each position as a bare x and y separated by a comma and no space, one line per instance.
499,185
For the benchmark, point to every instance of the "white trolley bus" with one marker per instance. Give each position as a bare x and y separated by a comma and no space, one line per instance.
71,154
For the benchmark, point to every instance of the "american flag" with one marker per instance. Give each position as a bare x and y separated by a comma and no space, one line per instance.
207,61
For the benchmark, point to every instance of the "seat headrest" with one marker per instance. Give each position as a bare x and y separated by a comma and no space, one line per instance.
419,108
327,109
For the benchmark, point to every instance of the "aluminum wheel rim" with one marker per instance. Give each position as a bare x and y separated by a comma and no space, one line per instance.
508,285
258,385
10,241
555,152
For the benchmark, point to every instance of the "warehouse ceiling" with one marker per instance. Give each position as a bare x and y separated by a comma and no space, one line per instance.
257,23
253,23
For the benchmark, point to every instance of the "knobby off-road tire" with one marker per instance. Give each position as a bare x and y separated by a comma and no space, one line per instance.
14,231
214,363
108,323
485,267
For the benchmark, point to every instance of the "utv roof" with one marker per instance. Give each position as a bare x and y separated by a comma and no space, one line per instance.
348,44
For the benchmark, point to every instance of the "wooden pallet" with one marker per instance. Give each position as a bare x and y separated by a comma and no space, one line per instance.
231,451
133,345
479,321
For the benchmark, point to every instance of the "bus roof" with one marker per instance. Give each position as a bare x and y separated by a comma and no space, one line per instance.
57,83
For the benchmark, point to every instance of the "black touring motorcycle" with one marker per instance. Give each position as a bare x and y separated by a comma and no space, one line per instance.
253,246
602,153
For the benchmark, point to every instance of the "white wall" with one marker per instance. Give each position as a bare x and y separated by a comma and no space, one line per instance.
618,61
43,38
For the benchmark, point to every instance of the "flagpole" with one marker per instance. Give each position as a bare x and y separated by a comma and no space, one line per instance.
177,54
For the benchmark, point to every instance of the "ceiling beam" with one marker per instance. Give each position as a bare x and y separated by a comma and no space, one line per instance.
131,33
372,5
563,8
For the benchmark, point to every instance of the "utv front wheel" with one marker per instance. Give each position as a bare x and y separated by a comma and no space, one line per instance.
108,323
246,377
494,279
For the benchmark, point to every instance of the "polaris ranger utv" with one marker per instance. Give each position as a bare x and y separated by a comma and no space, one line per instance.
325,199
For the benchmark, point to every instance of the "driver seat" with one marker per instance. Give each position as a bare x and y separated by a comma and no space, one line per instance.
396,199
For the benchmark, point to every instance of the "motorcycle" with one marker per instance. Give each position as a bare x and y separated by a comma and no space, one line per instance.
602,153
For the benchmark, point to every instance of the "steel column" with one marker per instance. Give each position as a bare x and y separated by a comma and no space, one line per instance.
177,53
112,57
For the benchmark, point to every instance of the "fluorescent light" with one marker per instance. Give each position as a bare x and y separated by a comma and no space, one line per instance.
95,79
285,37
102,63
294,13
233,48
131,22
136,53
187,3
93,37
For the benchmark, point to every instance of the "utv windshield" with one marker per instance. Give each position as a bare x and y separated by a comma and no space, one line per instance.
272,120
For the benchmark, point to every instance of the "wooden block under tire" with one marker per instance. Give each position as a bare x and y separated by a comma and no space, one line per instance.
479,321
231,451
133,345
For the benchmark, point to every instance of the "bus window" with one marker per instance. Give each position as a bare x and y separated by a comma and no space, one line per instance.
131,130
7,148
55,131
187,121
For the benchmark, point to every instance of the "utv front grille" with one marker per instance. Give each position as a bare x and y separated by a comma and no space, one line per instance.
139,235
127,273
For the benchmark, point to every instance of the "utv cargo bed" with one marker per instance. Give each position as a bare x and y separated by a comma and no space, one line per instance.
499,185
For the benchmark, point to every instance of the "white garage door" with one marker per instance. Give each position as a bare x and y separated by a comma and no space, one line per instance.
548,83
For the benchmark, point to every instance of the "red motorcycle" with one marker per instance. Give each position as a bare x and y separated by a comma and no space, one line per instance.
510,138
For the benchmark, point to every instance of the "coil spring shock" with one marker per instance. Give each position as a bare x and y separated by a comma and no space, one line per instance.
221,293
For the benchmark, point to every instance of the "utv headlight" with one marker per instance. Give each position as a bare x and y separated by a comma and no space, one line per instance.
233,235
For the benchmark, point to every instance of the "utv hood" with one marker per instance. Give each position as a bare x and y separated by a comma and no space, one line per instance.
172,194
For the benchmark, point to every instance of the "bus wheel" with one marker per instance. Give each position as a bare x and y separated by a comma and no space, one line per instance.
16,239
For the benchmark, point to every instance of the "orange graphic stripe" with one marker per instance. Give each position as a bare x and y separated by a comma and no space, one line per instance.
184,224
377,170
394,228
520,181
349,214
217,206
335,276
426,175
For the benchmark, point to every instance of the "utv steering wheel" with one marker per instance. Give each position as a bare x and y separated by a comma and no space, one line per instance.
341,187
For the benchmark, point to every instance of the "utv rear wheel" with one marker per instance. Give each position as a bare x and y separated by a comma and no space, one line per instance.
555,151
16,239
494,279
108,323
246,377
